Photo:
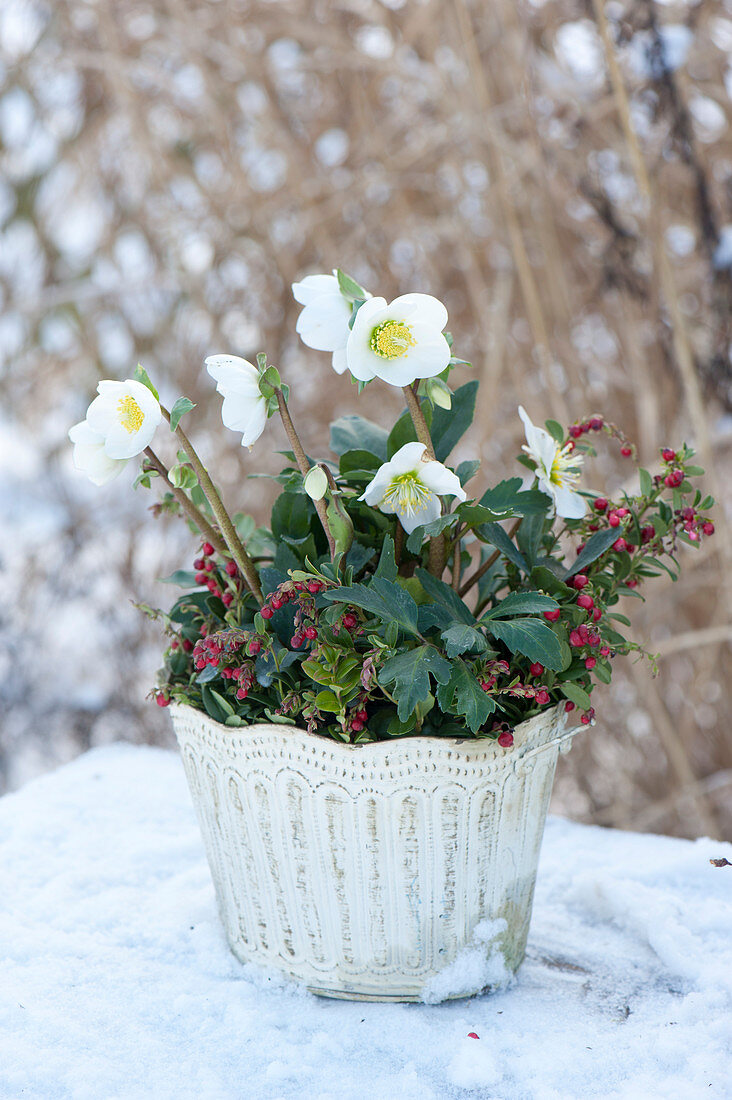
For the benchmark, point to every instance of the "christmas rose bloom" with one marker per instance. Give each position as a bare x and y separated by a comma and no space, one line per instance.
410,486
90,456
400,341
323,323
125,416
244,408
557,469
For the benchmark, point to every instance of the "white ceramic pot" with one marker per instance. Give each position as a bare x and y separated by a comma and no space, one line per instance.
394,871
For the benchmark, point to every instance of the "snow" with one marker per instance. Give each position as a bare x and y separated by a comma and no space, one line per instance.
117,981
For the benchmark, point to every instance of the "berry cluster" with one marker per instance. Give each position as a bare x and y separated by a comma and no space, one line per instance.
224,586
597,424
222,650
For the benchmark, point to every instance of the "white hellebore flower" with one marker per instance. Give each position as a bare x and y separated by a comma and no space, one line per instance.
398,342
557,468
411,485
90,456
245,408
125,415
323,323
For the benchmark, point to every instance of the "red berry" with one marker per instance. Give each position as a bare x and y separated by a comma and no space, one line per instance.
276,602
254,647
622,512
585,719
585,600
575,431
708,528
668,455
314,586
576,639
614,519
207,549
599,504
580,580
580,548
590,662
227,599
362,715
632,582
199,563
626,451
596,423
349,621
647,533
311,633
505,740
631,548
188,646
536,669
596,614
569,706
620,544
162,700
356,725
296,641
266,612
542,697
231,568
471,1034
209,567
674,479
242,693
552,616
201,578
605,651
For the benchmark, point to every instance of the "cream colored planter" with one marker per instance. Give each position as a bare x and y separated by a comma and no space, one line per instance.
401,870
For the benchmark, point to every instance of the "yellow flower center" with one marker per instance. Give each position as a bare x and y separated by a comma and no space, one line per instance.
407,494
131,416
391,339
565,471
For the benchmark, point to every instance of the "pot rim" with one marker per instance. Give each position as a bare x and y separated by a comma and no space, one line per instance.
524,744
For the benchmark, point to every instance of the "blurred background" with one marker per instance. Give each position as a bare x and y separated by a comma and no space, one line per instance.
559,173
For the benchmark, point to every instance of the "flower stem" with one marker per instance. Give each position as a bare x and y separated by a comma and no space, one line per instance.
438,547
228,530
457,548
304,466
479,573
195,516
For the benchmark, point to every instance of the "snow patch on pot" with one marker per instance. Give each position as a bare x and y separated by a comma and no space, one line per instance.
478,966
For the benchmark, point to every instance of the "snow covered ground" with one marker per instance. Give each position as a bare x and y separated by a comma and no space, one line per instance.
116,981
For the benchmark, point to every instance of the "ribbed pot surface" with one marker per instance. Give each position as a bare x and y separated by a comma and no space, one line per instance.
374,871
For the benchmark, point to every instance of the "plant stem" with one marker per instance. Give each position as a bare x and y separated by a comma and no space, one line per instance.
483,569
456,560
195,516
304,466
398,543
228,530
438,546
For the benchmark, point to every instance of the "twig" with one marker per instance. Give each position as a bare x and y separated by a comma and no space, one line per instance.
194,514
304,466
483,569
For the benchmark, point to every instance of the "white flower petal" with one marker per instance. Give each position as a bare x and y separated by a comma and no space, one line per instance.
429,511
89,456
323,324
233,372
312,286
409,457
340,361
374,492
421,309
441,480
427,358
569,505
120,441
244,409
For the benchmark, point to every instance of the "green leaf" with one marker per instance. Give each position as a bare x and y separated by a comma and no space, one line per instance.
293,515
445,597
555,429
529,537
354,433
646,483
409,674
181,577
496,536
183,476
531,637
521,603
387,601
594,547
576,694
141,375
460,638
365,462
387,567
429,530
449,425
348,287
464,696
543,577
475,514
326,700
467,470
181,407
216,706
508,496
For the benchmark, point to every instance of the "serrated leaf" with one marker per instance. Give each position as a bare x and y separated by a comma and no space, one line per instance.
446,597
464,696
467,470
521,603
410,674
382,598
417,537
461,638
531,637
141,375
181,407
594,547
